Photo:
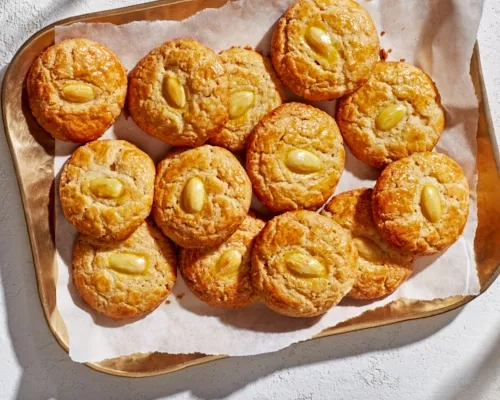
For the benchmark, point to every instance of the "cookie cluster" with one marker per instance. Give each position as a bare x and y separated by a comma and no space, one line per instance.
235,135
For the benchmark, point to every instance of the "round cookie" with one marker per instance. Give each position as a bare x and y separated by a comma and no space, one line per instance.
220,276
420,203
125,279
323,50
254,90
395,114
77,89
303,264
295,158
383,268
201,196
106,189
178,93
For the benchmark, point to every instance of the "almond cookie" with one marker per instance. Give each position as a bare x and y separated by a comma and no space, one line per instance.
303,264
295,158
254,90
201,196
395,114
323,50
383,268
178,93
77,89
220,276
106,189
125,279
421,203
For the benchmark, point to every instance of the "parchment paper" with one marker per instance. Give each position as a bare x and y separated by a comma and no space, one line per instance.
437,35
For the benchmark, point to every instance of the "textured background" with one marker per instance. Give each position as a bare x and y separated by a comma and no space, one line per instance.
452,356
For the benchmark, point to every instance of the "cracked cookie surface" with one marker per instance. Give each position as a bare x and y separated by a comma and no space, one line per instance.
324,49
201,196
401,207
383,268
220,276
303,264
77,89
178,93
254,90
106,188
413,120
295,157
125,279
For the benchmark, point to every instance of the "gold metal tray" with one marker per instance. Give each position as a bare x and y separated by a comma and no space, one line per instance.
33,155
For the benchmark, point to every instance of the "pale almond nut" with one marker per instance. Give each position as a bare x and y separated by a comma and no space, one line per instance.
321,43
193,195
174,92
127,263
430,203
240,103
78,92
229,263
106,188
303,162
368,249
390,116
303,265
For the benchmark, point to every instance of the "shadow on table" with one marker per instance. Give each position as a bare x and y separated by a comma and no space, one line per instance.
49,372
480,378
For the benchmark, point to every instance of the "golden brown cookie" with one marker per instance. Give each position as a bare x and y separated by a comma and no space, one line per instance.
77,89
383,268
421,203
106,189
125,279
220,276
324,49
201,196
178,93
303,264
395,114
254,90
295,158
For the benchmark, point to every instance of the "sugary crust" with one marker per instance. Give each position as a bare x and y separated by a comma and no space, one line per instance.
205,83
228,195
316,236
107,219
381,276
396,203
248,71
294,126
76,61
392,83
120,295
352,33
199,269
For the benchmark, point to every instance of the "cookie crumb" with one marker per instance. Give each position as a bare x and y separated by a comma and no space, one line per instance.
402,59
389,51
180,295
382,33
167,301
383,54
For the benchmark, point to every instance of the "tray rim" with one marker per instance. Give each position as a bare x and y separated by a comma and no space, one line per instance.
457,302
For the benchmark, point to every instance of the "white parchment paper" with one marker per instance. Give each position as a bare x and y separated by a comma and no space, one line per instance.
437,35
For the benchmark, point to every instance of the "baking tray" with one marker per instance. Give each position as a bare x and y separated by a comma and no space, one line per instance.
33,155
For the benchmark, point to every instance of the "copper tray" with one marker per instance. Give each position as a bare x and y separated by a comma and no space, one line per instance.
33,155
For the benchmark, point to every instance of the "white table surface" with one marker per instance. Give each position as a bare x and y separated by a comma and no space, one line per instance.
452,356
